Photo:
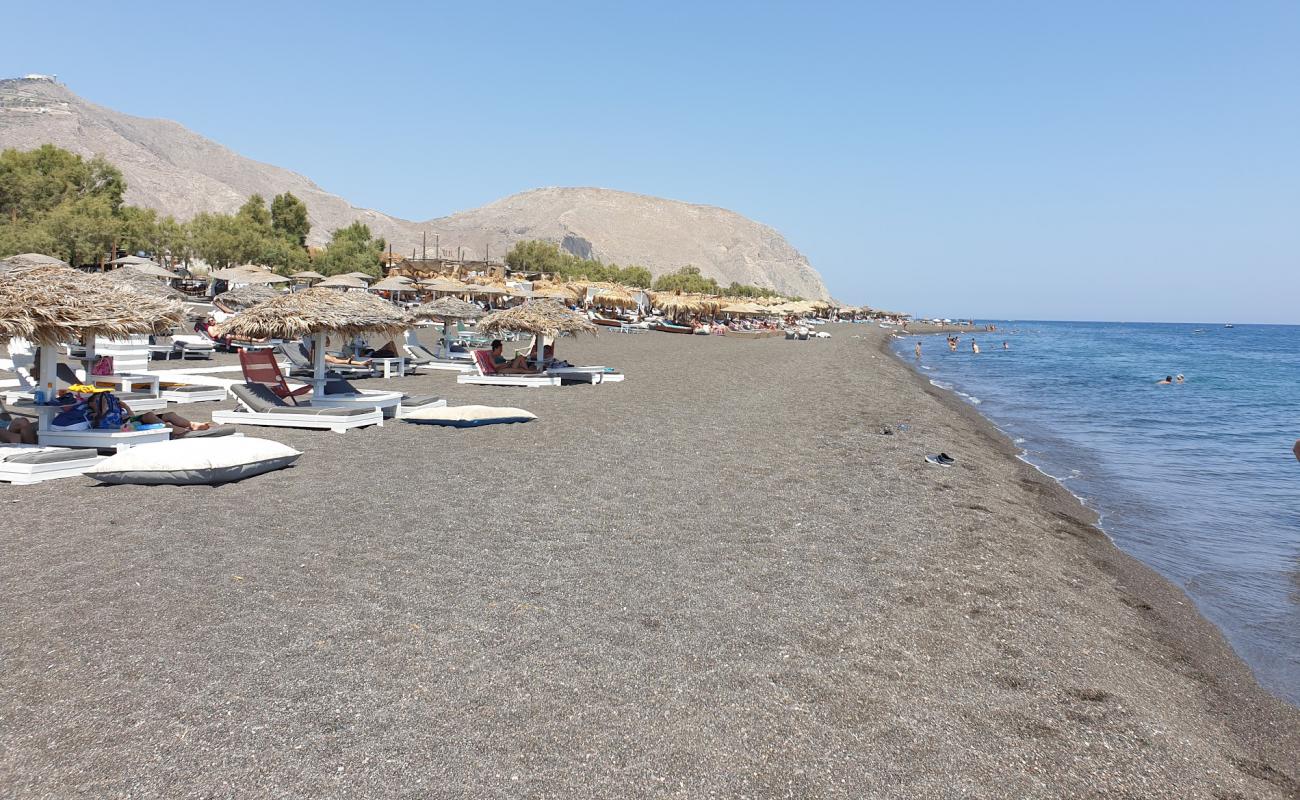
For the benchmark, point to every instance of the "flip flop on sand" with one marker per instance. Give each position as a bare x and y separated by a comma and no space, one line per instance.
943,460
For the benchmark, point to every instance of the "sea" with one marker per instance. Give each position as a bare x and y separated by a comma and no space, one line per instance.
1198,479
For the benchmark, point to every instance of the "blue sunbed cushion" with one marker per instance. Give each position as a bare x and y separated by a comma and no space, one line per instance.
467,416
204,460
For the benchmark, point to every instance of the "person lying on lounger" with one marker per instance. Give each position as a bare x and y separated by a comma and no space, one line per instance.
107,412
507,366
16,430
332,360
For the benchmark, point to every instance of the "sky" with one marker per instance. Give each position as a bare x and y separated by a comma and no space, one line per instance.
1010,160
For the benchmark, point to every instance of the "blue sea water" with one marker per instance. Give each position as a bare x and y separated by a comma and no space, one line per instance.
1197,480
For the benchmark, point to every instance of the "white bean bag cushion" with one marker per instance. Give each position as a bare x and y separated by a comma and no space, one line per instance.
467,416
188,461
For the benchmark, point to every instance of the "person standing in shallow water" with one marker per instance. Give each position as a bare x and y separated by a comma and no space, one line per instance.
1006,346
918,351
974,347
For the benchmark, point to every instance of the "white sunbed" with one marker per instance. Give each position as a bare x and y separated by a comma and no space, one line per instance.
22,464
101,439
262,407
421,358
480,377
191,393
340,393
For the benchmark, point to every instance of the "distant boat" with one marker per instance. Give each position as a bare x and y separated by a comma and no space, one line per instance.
1229,325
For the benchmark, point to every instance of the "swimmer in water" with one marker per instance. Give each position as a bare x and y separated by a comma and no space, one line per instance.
974,347
1168,380
1178,379
1006,346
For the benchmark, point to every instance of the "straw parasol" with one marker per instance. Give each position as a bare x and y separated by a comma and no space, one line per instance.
447,309
25,260
615,296
673,303
141,282
538,317
485,291
315,312
53,304
146,267
307,275
341,282
244,297
364,276
395,283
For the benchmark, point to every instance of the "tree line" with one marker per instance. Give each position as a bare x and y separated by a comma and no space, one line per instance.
55,202
540,256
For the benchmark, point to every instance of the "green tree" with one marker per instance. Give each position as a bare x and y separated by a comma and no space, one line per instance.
82,230
253,212
351,249
687,279
34,182
289,218
138,230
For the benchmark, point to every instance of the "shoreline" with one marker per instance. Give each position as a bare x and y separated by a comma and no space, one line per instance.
1171,617
715,578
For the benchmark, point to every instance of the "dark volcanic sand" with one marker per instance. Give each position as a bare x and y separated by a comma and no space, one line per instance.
715,579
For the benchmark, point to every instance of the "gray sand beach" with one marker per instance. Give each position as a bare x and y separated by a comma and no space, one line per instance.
716,579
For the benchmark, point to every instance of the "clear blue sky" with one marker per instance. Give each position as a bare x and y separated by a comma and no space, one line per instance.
1125,161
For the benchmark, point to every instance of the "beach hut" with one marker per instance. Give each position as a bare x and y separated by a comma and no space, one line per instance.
448,309
313,313
50,304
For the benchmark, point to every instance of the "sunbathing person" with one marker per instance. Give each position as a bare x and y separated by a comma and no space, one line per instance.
332,360
507,366
16,430
389,350
107,412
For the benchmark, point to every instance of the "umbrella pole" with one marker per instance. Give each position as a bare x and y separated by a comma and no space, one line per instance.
318,366
90,356
49,368
446,337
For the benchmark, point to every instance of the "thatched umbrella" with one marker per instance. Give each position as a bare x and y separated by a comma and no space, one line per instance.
447,309
137,281
395,283
364,276
674,303
52,304
307,276
542,318
244,297
315,312
614,296
27,260
149,268
341,282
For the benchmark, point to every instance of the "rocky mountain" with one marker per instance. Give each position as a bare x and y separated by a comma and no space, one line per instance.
176,171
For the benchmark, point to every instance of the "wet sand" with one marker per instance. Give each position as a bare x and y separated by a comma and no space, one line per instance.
715,579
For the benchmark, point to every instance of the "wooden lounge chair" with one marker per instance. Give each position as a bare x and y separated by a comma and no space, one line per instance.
261,406
261,368
485,373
